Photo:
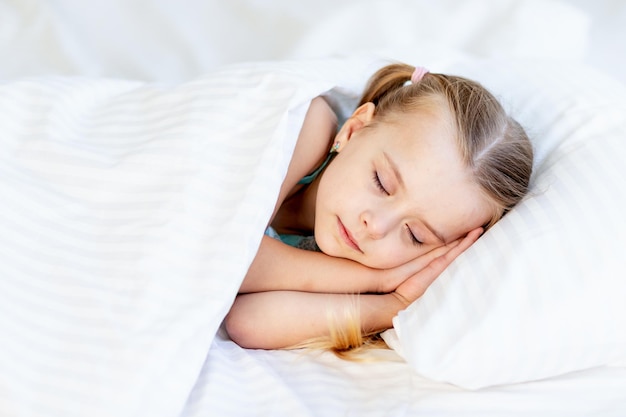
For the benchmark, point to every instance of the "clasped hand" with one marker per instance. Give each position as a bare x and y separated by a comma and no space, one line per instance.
409,281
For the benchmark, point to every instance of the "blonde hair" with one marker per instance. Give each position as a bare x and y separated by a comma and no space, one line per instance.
492,144
346,338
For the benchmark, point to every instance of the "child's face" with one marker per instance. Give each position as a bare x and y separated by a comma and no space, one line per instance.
396,191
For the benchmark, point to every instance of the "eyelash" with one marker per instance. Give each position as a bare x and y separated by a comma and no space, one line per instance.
379,184
382,189
414,240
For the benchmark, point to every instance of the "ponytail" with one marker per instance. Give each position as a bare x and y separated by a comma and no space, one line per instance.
389,78
493,146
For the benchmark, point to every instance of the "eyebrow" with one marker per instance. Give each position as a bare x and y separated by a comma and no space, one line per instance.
396,173
434,232
394,168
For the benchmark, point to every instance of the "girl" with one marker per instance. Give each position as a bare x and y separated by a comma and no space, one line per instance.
423,166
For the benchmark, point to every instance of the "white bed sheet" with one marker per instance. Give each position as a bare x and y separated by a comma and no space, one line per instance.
171,42
240,382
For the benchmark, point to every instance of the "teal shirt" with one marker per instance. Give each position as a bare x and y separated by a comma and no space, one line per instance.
298,241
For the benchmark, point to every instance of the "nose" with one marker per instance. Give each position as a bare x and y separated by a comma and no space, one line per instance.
376,223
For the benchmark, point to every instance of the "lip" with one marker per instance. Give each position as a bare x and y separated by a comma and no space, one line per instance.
346,236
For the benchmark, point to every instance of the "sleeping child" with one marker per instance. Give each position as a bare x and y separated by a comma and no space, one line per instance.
368,216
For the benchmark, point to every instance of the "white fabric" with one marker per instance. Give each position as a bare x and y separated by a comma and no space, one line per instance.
240,382
161,40
542,293
82,345
129,216
131,212
503,28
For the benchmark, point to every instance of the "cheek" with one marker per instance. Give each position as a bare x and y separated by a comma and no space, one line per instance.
340,194
391,254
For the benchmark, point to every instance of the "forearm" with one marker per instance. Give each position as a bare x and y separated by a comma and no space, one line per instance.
278,319
277,266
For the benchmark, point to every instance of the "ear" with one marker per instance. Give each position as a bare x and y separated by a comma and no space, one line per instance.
361,117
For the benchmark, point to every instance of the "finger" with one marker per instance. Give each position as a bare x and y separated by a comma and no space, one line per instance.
411,268
438,265
427,275
423,260
465,243
416,286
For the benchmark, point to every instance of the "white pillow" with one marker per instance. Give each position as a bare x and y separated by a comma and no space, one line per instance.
542,292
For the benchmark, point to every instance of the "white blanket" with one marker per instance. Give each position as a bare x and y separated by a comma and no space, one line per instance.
116,267
130,213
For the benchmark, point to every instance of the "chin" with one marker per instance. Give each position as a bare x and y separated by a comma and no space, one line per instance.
325,247
331,248
376,265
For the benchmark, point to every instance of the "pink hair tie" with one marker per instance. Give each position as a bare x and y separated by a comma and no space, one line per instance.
418,74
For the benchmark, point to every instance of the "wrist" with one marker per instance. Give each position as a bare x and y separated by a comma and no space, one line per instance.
400,300
378,280
385,281
378,311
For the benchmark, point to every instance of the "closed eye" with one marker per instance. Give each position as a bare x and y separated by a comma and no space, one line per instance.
379,184
414,239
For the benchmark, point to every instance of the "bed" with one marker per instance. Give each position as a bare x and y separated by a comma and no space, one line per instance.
142,147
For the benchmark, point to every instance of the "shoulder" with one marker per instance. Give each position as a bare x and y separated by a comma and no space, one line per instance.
318,129
315,139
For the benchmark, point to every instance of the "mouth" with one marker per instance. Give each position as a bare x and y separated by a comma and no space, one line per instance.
347,237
